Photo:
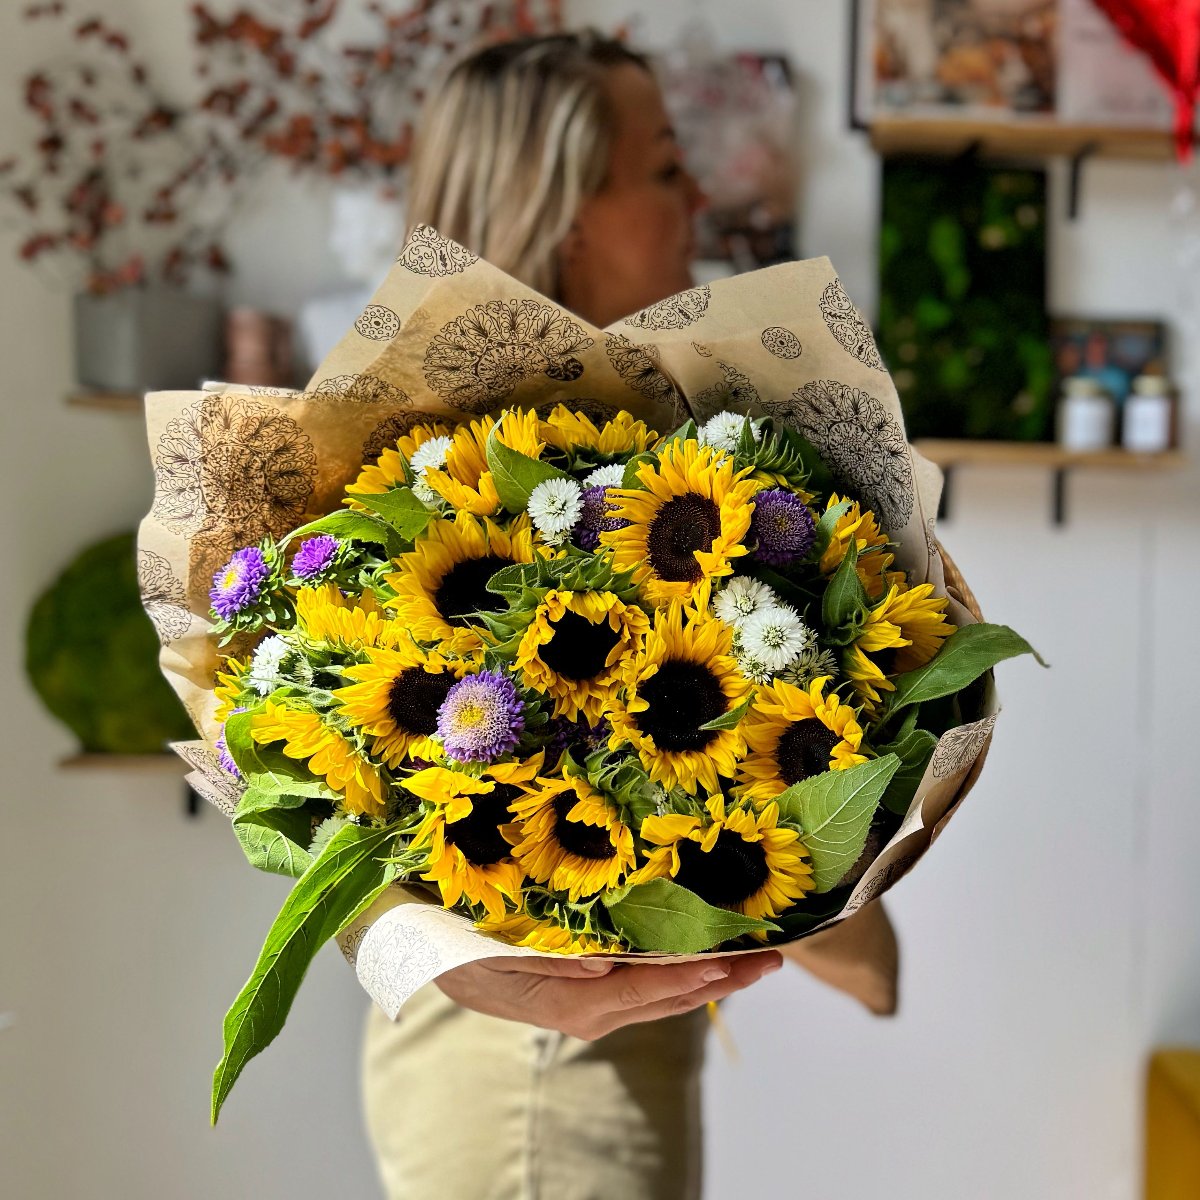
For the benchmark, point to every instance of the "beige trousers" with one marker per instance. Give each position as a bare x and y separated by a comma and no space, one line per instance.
462,1106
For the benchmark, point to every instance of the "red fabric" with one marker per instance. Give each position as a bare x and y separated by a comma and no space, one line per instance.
1168,33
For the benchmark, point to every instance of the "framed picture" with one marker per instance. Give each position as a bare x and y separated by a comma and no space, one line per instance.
953,58
1110,351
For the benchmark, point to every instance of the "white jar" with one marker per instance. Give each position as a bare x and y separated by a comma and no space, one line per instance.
1146,427
1086,415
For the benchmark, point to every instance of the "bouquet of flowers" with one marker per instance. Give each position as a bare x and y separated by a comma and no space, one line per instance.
593,688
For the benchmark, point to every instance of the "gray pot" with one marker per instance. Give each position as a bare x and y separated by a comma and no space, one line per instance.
144,339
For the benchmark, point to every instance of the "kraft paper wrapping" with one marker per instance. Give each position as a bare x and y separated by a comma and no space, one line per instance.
448,335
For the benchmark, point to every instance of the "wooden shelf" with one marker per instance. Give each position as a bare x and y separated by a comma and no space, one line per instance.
126,402
949,453
1022,139
124,762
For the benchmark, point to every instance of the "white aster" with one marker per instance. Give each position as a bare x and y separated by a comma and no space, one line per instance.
612,475
776,636
809,665
555,506
724,431
753,668
430,454
742,597
266,667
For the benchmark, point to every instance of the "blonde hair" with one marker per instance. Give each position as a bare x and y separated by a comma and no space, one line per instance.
515,139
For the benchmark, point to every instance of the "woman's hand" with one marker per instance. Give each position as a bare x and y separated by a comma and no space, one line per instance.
587,998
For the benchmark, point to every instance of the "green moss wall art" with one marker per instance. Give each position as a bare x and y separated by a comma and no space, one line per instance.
91,654
962,305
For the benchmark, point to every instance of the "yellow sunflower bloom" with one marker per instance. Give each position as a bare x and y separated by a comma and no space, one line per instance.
859,524
324,615
902,632
304,735
681,677
520,929
230,683
574,650
738,859
571,838
388,472
687,524
794,734
469,832
442,581
567,430
465,481
395,699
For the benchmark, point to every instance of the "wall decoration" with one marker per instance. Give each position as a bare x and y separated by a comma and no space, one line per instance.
962,317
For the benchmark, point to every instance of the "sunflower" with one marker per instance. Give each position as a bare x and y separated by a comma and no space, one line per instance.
574,649
571,838
465,481
231,682
469,833
395,699
686,525
443,580
793,735
859,524
681,677
324,615
902,632
520,929
390,471
740,859
573,431
329,754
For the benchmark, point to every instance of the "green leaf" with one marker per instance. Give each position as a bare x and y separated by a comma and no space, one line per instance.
328,896
845,600
515,474
631,478
834,809
661,915
826,525
267,768
401,509
349,526
274,840
732,718
965,655
913,750
687,432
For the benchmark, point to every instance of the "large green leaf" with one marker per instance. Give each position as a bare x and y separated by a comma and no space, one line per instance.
913,750
349,526
845,602
267,768
274,840
965,655
662,916
401,509
834,809
332,892
515,474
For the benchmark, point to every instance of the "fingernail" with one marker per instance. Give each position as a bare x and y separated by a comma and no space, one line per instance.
713,973
772,966
598,966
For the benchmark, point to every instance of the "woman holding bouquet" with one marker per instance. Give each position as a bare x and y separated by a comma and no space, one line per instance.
554,159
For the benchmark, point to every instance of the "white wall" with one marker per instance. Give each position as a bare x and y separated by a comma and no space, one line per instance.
1048,941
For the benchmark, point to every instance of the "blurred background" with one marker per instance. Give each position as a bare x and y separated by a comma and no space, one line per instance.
998,186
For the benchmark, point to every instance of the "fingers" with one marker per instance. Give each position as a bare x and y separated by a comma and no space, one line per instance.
562,968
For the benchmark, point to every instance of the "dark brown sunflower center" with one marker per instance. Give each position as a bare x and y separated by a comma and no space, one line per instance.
804,750
683,525
578,650
477,835
463,589
415,697
584,841
732,871
682,696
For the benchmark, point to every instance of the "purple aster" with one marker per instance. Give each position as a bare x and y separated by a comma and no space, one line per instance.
594,520
223,755
783,526
481,718
315,556
239,584
576,737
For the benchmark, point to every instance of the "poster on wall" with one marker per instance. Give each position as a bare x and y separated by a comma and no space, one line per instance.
958,58
735,117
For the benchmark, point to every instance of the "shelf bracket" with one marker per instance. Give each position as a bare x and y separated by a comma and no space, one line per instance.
192,802
1075,177
1059,485
943,512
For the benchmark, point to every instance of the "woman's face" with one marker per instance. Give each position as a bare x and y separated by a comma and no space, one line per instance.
631,243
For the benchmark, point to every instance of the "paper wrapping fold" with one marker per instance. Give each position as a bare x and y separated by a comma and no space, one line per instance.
449,335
